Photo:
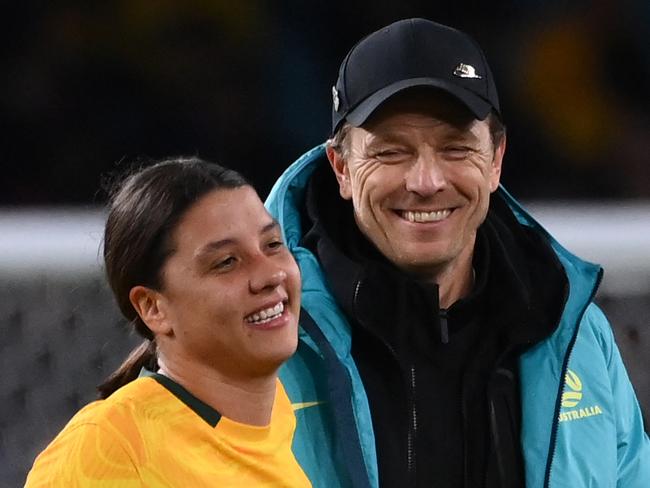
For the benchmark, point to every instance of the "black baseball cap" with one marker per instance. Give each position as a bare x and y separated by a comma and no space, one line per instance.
412,53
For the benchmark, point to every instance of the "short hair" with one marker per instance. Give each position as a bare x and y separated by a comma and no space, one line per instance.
340,142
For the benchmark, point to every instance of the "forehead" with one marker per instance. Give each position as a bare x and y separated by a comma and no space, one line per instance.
421,114
225,213
426,104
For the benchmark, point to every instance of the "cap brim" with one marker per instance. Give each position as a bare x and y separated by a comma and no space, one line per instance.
477,105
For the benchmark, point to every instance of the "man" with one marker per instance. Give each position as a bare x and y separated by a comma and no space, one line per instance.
447,339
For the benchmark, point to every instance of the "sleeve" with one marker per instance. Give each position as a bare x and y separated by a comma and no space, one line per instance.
633,444
87,456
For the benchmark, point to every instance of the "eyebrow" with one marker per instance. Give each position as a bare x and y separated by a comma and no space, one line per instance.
273,225
216,245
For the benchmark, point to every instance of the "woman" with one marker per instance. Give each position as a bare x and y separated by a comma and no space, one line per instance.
199,267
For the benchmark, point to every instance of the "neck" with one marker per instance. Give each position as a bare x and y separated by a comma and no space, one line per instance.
244,400
454,286
455,279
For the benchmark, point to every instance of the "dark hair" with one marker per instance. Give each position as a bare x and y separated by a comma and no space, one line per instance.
144,209
497,128
340,140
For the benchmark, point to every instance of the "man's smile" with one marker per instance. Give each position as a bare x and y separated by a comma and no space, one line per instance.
422,216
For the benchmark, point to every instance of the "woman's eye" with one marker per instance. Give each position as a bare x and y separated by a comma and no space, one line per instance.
276,244
226,263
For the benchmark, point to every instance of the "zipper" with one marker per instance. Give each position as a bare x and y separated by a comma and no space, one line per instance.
412,433
565,366
444,326
463,418
412,428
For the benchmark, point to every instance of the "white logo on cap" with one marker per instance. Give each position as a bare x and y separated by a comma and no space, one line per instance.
335,98
466,71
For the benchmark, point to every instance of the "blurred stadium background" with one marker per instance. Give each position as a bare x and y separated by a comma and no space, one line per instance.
88,87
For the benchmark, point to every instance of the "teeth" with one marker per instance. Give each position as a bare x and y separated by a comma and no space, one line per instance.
426,216
265,315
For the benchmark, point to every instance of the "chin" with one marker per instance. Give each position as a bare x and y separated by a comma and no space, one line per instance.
412,261
280,354
422,256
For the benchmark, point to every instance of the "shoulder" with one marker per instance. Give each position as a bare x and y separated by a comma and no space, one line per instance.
119,412
595,325
133,401
103,441
85,454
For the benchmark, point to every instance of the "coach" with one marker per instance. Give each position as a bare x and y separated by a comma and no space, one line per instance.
447,339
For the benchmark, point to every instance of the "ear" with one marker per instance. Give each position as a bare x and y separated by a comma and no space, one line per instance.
341,171
151,307
497,161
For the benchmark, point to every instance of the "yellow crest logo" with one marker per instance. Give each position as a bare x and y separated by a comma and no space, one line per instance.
573,390
571,397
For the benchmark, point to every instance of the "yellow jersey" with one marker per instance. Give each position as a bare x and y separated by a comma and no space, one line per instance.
152,432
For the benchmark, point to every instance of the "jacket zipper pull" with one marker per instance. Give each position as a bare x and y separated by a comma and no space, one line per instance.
444,329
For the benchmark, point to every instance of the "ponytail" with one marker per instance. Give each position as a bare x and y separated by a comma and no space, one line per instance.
143,356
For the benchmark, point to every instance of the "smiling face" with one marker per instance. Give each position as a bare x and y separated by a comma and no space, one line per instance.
420,174
230,295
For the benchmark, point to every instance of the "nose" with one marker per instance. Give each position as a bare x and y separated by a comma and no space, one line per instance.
266,275
426,176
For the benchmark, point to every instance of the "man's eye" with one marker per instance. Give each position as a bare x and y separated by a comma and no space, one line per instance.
390,154
457,151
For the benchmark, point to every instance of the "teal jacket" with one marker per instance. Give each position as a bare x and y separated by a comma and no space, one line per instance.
582,425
